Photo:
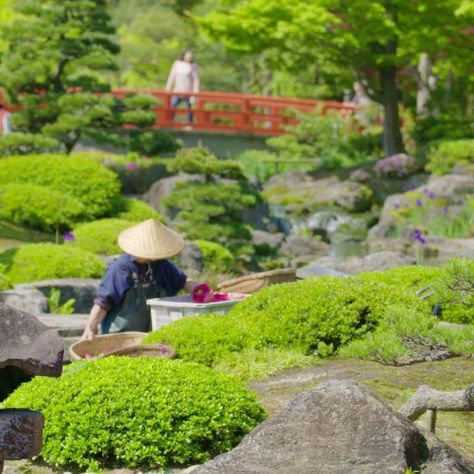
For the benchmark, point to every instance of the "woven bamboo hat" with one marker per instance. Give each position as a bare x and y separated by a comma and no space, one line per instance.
150,240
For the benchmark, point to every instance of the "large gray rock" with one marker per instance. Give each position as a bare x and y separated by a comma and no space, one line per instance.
340,427
190,260
375,262
28,300
27,348
261,237
20,433
83,290
452,187
297,246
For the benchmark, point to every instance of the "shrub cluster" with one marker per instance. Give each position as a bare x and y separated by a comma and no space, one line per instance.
314,316
217,259
78,176
39,207
444,157
100,237
47,261
137,211
147,413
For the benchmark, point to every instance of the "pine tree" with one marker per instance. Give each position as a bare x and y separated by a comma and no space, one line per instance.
54,66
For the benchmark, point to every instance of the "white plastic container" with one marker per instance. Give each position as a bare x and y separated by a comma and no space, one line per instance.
167,310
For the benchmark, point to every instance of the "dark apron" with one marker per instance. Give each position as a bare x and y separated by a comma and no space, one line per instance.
133,313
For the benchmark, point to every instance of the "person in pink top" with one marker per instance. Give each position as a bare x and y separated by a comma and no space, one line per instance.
183,77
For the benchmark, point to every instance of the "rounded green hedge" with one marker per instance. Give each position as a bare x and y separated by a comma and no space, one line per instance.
100,237
147,413
39,207
216,257
137,211
79,176
445,156
47,261
315,316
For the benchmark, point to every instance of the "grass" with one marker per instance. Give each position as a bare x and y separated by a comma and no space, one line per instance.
14,236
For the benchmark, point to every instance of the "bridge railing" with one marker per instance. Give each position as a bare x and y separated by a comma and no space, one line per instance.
231,112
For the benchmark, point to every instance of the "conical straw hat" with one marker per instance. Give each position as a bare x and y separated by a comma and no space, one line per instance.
150,240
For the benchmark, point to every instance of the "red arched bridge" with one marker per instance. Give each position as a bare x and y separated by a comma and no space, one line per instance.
231,112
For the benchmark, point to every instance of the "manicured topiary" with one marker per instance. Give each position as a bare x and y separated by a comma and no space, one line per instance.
146,413
137,211
100,237
78,176
314,316
410,277
216,257
47,261
39,207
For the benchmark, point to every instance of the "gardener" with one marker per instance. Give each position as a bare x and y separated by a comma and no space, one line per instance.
142,272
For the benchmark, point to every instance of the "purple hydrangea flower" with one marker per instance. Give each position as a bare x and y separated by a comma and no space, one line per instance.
431,195
425,191
396,206
419,202
68,236
132,166
445,209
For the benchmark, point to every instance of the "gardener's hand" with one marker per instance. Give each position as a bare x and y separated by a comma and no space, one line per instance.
88,334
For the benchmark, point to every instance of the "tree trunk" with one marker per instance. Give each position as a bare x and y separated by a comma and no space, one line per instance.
423,94
392,135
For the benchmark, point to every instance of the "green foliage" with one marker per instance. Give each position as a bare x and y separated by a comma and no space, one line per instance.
54,305
78,176
217,258
137,211
48,261
138,413
252,364
441,127
26,144
401,330
448,154
208,207
4,282
149,142
454,290
410,278
53,68
100,237
39,207
326,139
313,317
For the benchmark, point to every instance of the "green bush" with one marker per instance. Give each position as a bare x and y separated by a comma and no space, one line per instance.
100,237
47,261
26,144
78,176
4,282
410,278
402,333
314,316
454,290
137,211
443,158
445,126
39,207
146,413
217,258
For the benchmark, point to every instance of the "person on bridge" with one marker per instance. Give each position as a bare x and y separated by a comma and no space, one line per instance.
184,78
143,272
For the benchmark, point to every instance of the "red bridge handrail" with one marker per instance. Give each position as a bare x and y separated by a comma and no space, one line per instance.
232,112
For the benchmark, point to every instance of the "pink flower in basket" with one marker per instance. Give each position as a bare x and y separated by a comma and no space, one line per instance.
202,293
220,297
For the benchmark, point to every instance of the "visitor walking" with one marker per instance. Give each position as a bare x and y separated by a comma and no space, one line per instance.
184,78
143,272
5,120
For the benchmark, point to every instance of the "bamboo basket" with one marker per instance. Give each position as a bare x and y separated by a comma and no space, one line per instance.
101,346
257,281
149,350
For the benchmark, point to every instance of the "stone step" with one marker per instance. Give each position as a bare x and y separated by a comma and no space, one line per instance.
68,325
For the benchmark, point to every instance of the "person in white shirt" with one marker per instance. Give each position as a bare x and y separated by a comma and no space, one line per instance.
184,77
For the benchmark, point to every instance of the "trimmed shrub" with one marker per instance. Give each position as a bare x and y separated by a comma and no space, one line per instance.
39,207
454,290
26,144
217,258
47,261
443,158
100,237
146,413
79,176
314,316
410,278
137,211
